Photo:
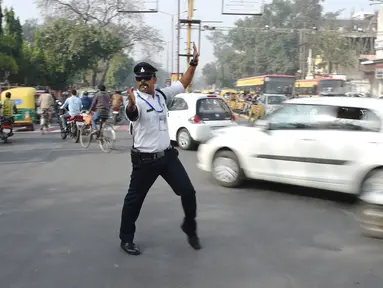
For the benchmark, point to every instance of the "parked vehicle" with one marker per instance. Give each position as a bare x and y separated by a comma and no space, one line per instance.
332,143
192,117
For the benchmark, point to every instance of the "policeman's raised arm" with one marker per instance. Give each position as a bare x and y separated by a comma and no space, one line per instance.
189,74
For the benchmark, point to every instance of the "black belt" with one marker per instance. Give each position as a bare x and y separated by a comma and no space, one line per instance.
151,156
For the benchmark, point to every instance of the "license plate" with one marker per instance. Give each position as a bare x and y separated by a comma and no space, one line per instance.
115,112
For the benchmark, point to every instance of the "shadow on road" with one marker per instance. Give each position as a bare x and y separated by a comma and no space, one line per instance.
343,198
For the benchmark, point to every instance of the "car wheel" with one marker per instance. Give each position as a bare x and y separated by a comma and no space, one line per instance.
184,140
226,169
370,208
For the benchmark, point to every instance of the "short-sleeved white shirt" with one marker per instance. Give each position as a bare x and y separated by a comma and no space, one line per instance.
147,135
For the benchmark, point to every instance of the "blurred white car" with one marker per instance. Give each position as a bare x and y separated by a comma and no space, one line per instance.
328,143
193,116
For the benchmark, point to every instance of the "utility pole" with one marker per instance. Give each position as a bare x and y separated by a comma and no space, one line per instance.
172,56
302,52
178,39
190,17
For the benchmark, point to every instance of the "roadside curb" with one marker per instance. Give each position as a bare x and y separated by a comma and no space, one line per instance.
121,128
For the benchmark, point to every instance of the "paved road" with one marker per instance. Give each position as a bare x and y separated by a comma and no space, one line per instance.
59,218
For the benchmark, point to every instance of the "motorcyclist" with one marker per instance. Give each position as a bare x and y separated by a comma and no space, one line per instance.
73,105
101,105
117,100
86,101
8,108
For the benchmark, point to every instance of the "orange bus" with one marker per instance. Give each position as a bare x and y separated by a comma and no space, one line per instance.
320,87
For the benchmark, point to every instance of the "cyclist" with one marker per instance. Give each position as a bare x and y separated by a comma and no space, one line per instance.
45,102
101,105
86,101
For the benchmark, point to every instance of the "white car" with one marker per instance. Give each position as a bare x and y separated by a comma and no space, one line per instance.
332,143
193,116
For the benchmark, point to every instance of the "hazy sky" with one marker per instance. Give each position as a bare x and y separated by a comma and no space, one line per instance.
211,12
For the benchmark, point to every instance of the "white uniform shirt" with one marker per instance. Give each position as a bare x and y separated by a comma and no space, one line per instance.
150,130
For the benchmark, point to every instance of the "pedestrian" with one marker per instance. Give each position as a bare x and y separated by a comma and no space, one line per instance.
152,154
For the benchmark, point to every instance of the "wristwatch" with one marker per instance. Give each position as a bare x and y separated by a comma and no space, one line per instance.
192,63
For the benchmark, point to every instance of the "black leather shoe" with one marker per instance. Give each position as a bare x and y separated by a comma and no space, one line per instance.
130,248
192,240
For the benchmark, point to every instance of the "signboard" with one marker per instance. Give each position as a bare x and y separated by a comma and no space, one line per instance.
174,77
242,7
379,71
137,6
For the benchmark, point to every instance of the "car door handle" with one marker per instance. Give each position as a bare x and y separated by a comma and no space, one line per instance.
307,139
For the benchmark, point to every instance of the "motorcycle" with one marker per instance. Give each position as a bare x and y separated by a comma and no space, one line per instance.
73,125
116,115
5,124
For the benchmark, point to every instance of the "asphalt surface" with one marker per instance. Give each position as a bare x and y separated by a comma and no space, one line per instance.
60,211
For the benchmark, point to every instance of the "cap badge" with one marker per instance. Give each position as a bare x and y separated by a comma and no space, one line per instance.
142,70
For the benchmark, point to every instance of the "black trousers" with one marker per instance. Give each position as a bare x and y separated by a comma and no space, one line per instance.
142,178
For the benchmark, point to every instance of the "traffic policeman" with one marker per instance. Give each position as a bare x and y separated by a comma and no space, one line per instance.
152,154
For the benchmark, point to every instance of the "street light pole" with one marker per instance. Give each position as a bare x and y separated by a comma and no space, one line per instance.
172,68
178,39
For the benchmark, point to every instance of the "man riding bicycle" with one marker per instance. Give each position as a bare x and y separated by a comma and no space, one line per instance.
73,103
45,102
101,103
8,108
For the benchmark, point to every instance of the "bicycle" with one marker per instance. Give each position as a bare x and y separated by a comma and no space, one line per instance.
105,142
44,121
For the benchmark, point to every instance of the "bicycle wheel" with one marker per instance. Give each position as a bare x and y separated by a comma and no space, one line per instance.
85,135
111,133
105,140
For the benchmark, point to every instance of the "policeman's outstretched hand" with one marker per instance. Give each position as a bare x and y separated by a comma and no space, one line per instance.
195,54
131,96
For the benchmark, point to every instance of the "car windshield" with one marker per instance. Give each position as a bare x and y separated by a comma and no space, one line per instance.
273,100
213,109
294,116
278,85
331,87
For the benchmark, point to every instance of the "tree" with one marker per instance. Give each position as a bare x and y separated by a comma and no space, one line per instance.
1,17
104,15
209,71
120,73
334,49
74,47
30,27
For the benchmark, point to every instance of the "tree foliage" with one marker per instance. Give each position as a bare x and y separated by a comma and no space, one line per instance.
85,43
270,44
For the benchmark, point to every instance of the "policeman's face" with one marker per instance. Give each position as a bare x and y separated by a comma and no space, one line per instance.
146,84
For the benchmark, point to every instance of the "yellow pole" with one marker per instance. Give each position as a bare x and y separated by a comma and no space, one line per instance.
190,17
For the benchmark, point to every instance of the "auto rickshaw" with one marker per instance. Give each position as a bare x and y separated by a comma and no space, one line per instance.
24,98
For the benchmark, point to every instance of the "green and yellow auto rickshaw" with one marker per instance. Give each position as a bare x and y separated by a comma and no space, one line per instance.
24,98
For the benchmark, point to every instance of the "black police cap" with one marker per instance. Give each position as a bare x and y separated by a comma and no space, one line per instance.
144,69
